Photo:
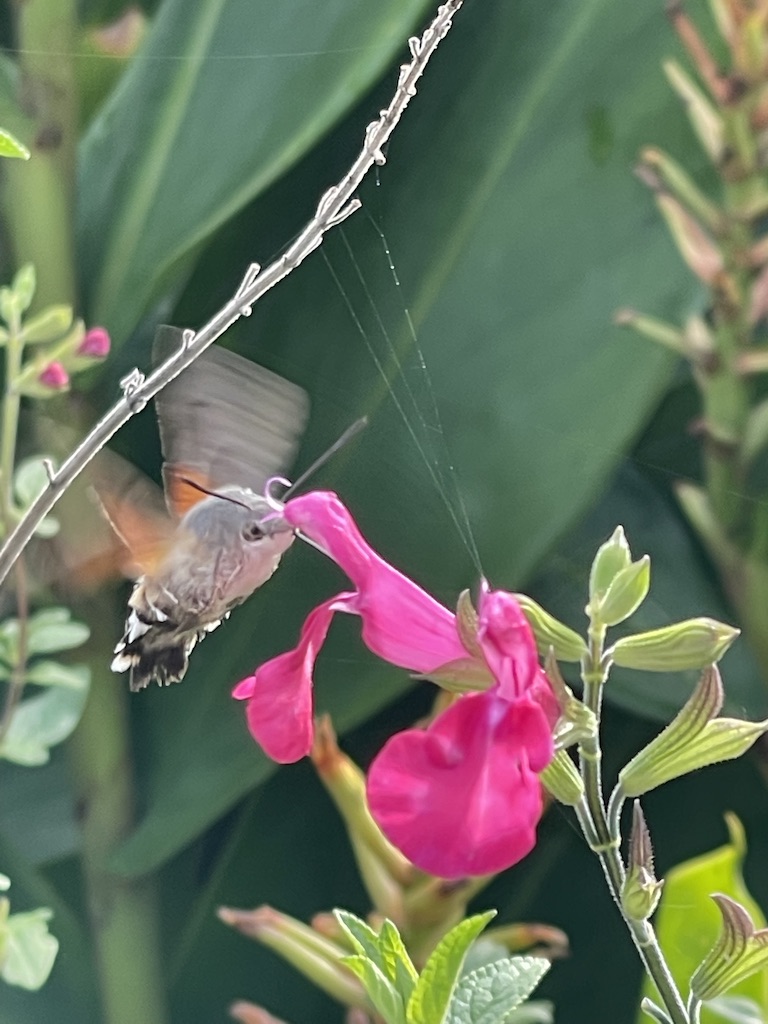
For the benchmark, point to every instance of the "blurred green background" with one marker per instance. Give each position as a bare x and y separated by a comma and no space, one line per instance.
517,420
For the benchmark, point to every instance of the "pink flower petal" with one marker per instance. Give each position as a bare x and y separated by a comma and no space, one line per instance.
401,622
279,693
510,651
461,797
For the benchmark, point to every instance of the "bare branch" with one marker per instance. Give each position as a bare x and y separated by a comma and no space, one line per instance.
338,203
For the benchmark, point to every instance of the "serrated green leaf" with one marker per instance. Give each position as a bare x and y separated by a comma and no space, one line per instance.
53,673
381,991
490,994
52,630
11,147
397,964
40,722
432,995
384,949
29,950
360,934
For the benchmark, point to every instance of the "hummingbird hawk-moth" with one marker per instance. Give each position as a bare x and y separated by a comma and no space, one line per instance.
227,426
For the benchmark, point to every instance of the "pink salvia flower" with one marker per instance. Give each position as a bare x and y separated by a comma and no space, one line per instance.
54,376
95,344
462,796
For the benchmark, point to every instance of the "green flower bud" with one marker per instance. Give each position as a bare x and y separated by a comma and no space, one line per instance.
316,957
562,780
549,633
694,739
740,950
625,594
641,891
611,558
49,325
694,643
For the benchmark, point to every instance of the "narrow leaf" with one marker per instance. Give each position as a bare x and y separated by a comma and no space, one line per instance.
382,993
432,996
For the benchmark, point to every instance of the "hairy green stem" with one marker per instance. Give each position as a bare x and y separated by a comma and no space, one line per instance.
604,835
40,215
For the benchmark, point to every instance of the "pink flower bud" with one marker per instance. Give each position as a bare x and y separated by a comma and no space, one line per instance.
54,376
95,344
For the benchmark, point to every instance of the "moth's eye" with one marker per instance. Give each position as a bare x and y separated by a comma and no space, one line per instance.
253,530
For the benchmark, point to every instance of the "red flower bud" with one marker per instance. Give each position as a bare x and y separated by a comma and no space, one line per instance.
95,344
54,376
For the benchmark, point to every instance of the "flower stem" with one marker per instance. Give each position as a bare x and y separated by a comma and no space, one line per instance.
603,833
10,426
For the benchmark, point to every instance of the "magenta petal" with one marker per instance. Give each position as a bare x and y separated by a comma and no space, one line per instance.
401,622
507,642
279,693
461,797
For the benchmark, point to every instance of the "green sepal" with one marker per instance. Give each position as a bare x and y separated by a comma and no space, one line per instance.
549,633
740,950
691,644
694,739
611,558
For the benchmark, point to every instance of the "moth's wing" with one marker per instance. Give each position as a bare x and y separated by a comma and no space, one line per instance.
135,509
225,420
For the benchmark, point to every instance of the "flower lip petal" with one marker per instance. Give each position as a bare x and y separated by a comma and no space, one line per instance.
461,797
279,693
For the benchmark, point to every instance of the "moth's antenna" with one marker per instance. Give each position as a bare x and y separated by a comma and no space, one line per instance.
213,494
345,438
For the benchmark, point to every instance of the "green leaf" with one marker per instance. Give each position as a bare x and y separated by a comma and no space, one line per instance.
490,994
29,480
385,950
10,146
397,964
526,185
432,996
53,673
360,934
736,1010
41,722
24,285
688,921
382,993
144,147
29,950
52,630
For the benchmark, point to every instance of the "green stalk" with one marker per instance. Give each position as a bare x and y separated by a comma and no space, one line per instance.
605,841
123,912
40,216
10,426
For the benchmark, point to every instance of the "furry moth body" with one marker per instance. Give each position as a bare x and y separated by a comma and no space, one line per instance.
226,427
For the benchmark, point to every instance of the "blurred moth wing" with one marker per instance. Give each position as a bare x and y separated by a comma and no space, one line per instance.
224,421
